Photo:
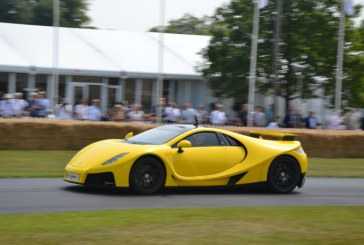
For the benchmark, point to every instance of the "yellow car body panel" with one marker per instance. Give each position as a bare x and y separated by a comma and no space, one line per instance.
196,166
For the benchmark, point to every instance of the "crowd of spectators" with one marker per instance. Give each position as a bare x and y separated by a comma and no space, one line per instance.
37,105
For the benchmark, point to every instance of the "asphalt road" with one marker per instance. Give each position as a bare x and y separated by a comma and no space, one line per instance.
48,195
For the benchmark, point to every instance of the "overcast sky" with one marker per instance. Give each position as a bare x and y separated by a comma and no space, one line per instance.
141,15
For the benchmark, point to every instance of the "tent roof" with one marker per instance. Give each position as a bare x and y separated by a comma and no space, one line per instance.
28,48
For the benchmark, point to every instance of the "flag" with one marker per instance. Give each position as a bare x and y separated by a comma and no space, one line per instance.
349,7
262,3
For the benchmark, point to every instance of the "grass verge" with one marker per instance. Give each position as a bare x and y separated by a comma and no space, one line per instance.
30,164
51,164
267,225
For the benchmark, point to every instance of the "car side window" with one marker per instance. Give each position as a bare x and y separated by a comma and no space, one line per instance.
232,141
204,139
227,140
223,140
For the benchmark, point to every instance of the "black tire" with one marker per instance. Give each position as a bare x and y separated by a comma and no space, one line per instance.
284,175
147,176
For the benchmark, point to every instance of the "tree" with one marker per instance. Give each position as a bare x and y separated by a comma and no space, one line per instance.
188,24
40,12
16,11
307,48
354,72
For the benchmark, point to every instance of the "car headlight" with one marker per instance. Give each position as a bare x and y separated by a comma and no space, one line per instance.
115,158
300,150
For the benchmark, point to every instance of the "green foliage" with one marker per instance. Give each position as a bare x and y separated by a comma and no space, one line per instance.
16,11
308,48
40,12
188,24
354,63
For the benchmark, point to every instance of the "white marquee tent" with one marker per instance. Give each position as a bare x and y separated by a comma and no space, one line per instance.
25,48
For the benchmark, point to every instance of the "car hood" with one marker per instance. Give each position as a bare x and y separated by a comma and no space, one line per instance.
97,153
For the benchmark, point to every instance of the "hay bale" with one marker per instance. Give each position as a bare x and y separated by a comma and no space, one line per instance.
42,134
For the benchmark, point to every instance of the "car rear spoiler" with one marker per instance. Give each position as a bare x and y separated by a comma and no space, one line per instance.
273,135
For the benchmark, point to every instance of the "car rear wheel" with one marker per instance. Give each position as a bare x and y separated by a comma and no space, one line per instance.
284,175
147,176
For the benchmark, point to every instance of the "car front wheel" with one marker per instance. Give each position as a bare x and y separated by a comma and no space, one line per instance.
147,176
284,175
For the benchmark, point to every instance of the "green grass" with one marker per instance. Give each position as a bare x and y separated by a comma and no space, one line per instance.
33,163
266,225
336,167
51,164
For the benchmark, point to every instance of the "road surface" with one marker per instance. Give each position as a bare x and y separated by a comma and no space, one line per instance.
48,195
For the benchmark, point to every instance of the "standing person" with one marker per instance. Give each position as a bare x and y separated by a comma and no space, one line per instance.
269,114
44,104
172,113
293,119
93,111
243,114
64,111
355,120
202,114
39,105
218,116
117,113
335,121
159,108
136,114
188,113
311,121
259,117
34,105
274,123
81,110
19,105
7,106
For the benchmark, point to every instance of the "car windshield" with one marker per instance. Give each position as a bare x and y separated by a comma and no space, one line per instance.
160,135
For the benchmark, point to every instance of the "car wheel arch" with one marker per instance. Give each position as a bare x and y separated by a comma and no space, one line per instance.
288,156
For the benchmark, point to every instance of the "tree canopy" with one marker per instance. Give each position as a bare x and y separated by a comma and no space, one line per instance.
187,24
308,47
73,13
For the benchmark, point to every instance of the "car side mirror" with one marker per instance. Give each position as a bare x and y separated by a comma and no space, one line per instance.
129,135
183,144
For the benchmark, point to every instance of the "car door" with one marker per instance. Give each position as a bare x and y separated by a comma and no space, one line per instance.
210,153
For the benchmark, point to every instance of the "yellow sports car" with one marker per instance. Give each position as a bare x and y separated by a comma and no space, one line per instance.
189,156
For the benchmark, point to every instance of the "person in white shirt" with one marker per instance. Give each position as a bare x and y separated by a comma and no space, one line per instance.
259,117
136,114
19,105
218,116
335,121
81,110
7,106
188,114
172,113
274,123
94,112
65,111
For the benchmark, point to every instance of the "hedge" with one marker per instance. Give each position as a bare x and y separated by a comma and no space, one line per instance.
39,134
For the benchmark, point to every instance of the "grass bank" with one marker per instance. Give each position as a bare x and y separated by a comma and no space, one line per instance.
51,164
267,225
